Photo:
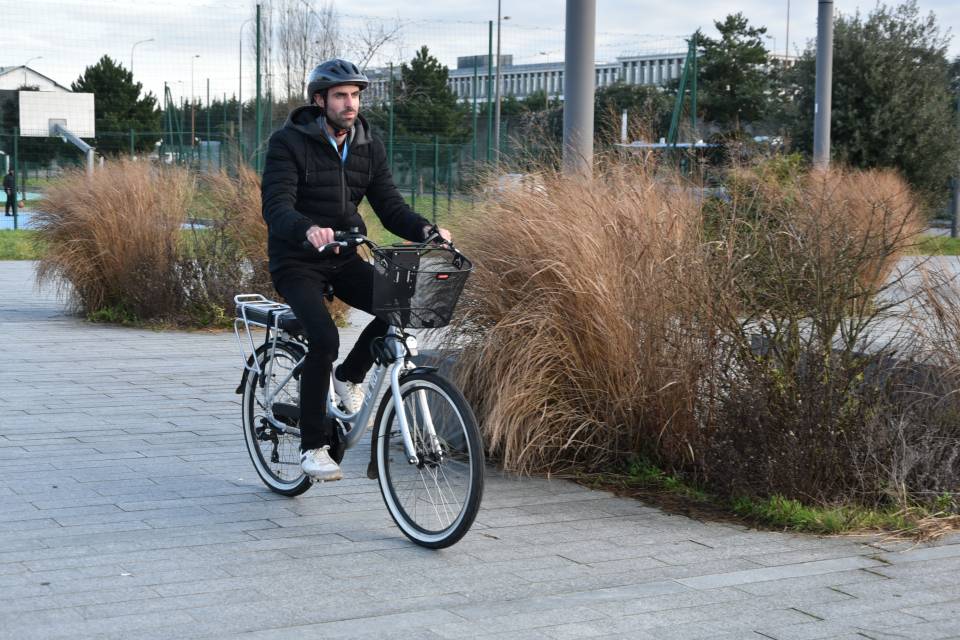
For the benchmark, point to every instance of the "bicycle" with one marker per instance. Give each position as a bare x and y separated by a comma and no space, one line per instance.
426,449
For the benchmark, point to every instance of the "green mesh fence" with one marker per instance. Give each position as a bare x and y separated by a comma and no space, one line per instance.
204,85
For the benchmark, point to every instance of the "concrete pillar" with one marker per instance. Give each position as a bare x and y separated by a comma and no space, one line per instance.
581,16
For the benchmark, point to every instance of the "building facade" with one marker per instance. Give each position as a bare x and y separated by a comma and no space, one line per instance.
470,78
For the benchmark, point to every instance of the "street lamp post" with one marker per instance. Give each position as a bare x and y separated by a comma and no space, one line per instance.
25,67
824,85
240,84
786,47
496,98
192,111
134,47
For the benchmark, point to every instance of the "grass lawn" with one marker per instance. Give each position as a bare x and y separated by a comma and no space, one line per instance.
19,245
938,246
458,208
645,481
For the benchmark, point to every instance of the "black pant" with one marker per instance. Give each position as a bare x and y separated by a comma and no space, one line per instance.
11,194
352,280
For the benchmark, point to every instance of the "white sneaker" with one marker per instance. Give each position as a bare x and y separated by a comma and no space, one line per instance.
318,464
350,394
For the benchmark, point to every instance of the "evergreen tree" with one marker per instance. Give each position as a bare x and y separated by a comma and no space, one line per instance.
425,106
734,81
118,107
892,104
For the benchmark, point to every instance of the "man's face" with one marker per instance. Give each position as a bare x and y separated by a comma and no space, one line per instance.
342,104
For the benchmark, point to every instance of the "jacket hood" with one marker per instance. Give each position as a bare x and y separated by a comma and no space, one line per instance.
304,120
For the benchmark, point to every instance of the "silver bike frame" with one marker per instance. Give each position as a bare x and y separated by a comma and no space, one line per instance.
358,421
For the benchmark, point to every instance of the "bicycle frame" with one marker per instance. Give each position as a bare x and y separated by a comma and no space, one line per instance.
399,350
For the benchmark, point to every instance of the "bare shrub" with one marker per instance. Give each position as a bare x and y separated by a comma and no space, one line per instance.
115,237
918,453
746,340
578,348
152,243
231,243
807,257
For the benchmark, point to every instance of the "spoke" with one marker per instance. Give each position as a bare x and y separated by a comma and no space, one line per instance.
433,494
452,492
427,489
443,500
287,466
418,430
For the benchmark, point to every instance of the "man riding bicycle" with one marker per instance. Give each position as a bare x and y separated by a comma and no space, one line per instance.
319,166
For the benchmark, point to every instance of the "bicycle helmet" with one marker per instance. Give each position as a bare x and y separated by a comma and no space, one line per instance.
333,73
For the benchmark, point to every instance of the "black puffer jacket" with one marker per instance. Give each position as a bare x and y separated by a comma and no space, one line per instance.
305,184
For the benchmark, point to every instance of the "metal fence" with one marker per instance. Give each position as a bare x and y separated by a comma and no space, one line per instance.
223,77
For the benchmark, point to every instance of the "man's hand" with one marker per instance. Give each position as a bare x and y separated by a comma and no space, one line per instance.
444,233
319,236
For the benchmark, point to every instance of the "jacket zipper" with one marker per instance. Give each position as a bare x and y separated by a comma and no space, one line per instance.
343,184
343,193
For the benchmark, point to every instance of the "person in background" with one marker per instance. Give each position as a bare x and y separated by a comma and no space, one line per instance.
9,188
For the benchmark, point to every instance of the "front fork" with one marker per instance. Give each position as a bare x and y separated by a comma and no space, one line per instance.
401,413
402,349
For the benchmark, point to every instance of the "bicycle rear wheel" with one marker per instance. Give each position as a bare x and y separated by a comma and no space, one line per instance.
275,454
435,501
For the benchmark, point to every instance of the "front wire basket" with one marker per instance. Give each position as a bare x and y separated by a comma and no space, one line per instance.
416,286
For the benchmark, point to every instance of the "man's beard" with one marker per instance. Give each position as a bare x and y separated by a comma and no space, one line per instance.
338,123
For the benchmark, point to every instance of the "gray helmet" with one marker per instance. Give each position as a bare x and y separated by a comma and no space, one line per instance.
332,73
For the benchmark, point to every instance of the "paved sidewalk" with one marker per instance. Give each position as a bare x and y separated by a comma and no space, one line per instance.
129,509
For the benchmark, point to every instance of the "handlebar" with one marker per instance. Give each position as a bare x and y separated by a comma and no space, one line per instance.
354,238
340,239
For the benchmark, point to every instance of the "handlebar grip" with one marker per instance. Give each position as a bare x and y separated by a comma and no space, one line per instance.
340,238
325,249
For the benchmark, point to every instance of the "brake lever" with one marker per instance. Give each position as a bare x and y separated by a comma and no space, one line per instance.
323,249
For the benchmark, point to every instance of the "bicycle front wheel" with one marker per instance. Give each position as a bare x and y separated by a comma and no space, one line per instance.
275,454
435,501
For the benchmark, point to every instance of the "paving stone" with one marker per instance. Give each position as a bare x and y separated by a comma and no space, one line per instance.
129,510
777,573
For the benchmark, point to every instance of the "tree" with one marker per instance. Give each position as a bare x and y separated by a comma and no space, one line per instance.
538,100
734,82
305,38
648,111
955,78
118,107
892,105
425,106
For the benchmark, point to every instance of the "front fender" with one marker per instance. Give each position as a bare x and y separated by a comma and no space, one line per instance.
423,369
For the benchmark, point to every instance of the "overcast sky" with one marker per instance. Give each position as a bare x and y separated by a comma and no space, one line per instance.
71,34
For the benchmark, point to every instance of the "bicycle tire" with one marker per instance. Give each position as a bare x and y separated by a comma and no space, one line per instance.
462,460
280,468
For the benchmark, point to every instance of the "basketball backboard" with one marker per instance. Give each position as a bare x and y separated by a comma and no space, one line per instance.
41,110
